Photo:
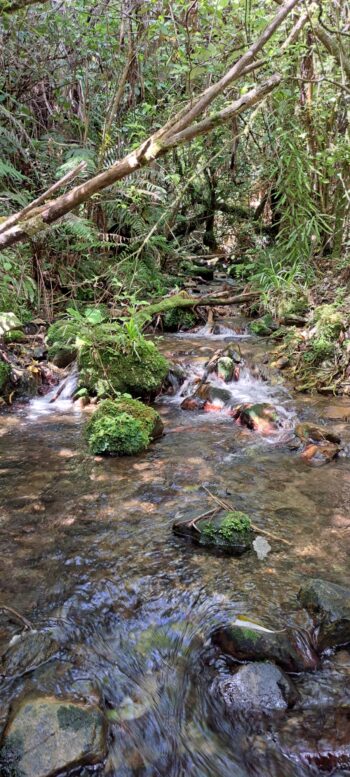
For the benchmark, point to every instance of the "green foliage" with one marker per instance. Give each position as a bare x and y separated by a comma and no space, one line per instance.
322,343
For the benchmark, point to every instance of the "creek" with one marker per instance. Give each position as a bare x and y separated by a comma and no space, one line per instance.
87,546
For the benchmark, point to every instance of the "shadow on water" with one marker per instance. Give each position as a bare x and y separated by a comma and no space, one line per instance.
87,549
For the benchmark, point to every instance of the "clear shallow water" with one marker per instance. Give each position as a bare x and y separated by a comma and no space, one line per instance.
86,544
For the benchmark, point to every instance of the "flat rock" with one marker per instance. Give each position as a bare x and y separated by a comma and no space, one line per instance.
331,604
256,687
248,641
48,735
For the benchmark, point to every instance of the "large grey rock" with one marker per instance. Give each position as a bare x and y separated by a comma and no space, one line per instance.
248,641
258,687
48,735
331,604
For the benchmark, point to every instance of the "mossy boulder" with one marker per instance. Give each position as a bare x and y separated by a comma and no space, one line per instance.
120,366
179,318
14,336
61,337
5,377
225,368
112,358
264,326
245,640
330,603
123,427
230,532
47,736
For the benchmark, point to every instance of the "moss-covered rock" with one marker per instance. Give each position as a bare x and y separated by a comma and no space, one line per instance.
260,417
230,532
330,603
61,336
263,326
248,641
14,336
47,736
112,358
120,366
124,427
5,375
179,318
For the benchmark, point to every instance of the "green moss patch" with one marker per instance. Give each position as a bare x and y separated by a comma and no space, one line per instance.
123,428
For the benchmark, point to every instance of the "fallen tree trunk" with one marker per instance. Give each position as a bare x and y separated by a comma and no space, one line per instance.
180,129
183,300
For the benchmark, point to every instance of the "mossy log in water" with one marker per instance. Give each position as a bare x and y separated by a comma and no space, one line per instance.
123,428
184,300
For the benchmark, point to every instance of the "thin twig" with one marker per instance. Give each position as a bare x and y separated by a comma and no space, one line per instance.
27,624
193,524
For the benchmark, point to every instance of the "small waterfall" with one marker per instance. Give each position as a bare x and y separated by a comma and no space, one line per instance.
59,399
215,332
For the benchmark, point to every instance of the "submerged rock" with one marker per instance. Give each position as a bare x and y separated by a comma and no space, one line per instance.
260,417
230,532
320,454
247,641
28,651
331,604
193,403
318,739
312,433
256,687
46,736
226,368
318,444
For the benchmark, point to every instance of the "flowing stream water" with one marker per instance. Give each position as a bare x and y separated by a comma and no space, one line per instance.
87,546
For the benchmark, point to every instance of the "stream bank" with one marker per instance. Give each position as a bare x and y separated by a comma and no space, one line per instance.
128,609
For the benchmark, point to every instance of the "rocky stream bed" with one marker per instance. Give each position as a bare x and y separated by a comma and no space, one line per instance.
144,653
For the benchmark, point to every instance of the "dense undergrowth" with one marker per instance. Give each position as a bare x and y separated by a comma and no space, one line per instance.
266,194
